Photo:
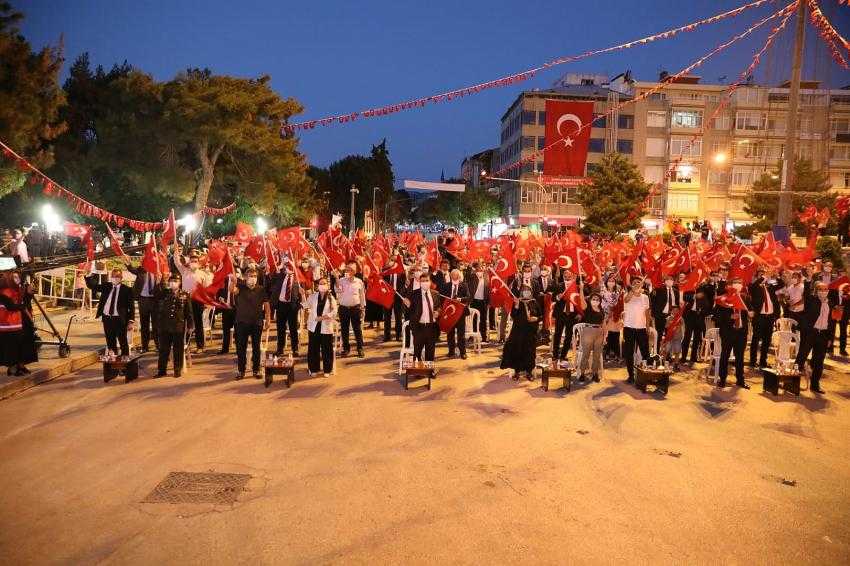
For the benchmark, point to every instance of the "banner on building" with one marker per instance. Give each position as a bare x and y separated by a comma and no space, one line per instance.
568,128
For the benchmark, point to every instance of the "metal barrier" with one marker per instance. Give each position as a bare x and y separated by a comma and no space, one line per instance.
64,284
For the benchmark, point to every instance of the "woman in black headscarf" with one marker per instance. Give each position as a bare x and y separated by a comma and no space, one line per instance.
520,348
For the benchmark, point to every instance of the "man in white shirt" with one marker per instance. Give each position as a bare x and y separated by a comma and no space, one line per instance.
815,333
423,311
636,317
351,295
19,248
192,275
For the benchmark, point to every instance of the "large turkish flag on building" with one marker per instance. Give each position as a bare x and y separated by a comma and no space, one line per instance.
564,119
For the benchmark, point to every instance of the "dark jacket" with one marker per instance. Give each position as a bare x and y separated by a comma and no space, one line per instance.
659,300
462,292
723,317
757,296
414,313
400,282
275,285
138,284
472,285
126,306
173,310
811,312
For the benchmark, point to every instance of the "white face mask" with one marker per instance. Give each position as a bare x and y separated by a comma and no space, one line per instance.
669,283
526,294
323,288
425,285
823,295
116,280
173,285
737,286
251,281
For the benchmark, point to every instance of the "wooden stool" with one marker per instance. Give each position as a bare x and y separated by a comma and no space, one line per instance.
286,369
129,367
659,377
788,381
414,371
554,372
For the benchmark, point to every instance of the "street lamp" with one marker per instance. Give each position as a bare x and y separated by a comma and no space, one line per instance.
354,192
262,225
720,158
52,222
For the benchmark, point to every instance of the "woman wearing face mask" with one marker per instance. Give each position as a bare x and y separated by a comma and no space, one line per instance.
321,309
520,347
17,332
611,294
591,338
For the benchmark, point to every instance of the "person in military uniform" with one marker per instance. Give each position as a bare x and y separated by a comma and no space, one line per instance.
174,313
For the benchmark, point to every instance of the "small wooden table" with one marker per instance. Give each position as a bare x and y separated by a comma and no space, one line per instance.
554,372
128,365
415,371
284,368
788,381
659,377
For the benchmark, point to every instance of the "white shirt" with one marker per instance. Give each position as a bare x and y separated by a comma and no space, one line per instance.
453,293
634,312
284,289
191,278
479,291
147,286
767,307
795,296
668,303
427,314
350,293
823,318
110,308
19,248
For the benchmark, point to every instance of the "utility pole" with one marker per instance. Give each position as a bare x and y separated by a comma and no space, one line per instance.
354,192
783,217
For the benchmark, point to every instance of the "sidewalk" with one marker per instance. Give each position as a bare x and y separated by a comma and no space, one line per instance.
85,339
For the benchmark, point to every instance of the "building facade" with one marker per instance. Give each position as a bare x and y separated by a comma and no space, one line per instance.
730,151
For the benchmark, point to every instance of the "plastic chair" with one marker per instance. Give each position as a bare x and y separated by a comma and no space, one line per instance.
787,345
406,346
473,332
782,324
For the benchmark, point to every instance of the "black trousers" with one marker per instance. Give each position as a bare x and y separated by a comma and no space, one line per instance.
563,326
424,340
632,336
350,317
391,315
243,331
320,348
491,316
456,337
286,315
147,320
660,327
760,342
198,318
228,317
116,333
171,342
612,342
481,307
842,332
814,342
694,330
732,340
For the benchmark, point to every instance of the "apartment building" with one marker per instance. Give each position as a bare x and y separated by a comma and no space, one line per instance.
719,153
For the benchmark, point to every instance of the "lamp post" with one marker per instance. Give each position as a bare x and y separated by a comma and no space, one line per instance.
374,210
521,181
354,192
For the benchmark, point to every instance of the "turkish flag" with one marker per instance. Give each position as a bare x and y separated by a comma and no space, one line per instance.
500,295
271,262
731,300
379,291
255,249
204,296
547,311
744,264
568,259
479,250
672,327
564,122
220,275
432,255
288,238
113,240
841,284
693,279
80,231
573,295
216,251
506,264
396,269
149,260
451,312
244,232
169,230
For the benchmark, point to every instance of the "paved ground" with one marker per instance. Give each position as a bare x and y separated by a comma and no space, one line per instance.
353,469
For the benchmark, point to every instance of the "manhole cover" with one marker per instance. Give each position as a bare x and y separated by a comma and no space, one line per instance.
188,487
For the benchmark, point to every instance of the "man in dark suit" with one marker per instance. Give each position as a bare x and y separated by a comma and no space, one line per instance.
144,290
544,284
733,324
478,284
398,282
228,321
442,276
815,332
663,301
696,308
285,295
115,308
423,310
457,289
766,310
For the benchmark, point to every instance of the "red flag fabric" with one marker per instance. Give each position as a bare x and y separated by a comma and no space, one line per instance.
378,291
547,311
216,250
256,248
672,327
432,255
573,295
841,284
731,300
450,314
500,294
244,233
379,257
396,269
271,262
743,265
288,239
808,215
568,259
221,275
506,264
693,279
618,308
204,296
479,249
169,230
568,135
150,261
113,240
80,231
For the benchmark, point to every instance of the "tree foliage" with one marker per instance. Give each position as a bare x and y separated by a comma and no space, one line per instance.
613,200
30,99
763,206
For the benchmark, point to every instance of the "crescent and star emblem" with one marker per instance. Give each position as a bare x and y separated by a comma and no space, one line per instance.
566,260
568,141
499,264
450,310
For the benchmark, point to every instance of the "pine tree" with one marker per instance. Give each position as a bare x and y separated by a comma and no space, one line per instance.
614,200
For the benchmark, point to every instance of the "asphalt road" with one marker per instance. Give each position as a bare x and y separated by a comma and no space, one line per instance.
353,469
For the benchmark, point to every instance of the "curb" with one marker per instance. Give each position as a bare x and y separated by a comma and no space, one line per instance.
65,366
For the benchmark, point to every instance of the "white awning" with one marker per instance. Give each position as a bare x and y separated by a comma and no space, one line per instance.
426,186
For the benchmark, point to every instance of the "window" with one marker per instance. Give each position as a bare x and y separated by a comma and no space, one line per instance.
654,173
657,96
528,142
687,118
749,149
839,125
541,117
749,96
719,147
541,142
565,196
722,123
527,168
748,120
656,119
718,176
624,146
683,146
528,117
591,167
685,173
744,176
656,147
525,196
839,152
682,204
626,121
596,145
847,179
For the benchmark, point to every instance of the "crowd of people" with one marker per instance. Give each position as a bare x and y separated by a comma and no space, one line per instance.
620,311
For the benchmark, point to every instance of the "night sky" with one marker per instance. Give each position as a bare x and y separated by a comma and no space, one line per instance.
336,56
